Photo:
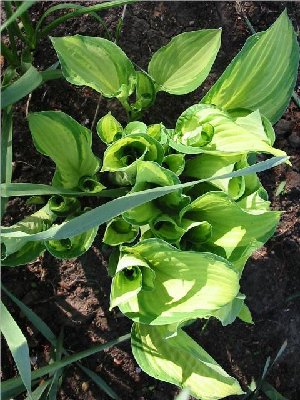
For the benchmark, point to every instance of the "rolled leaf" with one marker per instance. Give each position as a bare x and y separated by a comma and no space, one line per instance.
183,64
132,275
236,233
109,129
67,143
166,228
144,92
263,74
187,284
18,251
175,163
244,135
124,153
158,132
63,206
90,185
135,127
150,175
118,231
181,361
72,247
206,165
97,63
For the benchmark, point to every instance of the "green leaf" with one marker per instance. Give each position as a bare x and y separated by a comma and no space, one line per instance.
72,247
19,251
135,127
181,361
236,233
242,136
19,11
29,189
63,206
263,74
20,88
271,392
183,64
106,212
109,129
119,231
175,163
97,63
150,175
67,143
18,346
228,313
187,284
144,92
206,165
122,156
245,315
9,384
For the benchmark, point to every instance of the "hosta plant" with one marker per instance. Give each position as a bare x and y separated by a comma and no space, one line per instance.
188,208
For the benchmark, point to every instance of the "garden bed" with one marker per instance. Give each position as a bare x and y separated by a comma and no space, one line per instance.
75,293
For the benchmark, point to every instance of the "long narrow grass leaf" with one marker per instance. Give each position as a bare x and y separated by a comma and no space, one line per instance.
48,369
38,392
106,212
22,87
37,189
18,346
100,382
20,10
33,318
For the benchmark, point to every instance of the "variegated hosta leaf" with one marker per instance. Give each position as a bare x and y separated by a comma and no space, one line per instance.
109,129
206,165
181,361
263,74
158,132
145,92
132,275
63,206
19,251
236,233
97,63
165,227
72,247
195,234
90,185
228,313
67,143
242,136
175,163
149,175
135,127
255,202
119,231
122,155
187,284
183,64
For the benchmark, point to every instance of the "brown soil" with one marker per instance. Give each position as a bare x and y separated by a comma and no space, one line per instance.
75,293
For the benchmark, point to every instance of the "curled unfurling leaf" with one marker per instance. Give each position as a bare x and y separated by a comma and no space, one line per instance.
63,206
109,129
122,156
119,231
187,284
18,251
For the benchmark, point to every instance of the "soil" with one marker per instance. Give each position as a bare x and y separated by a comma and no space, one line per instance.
74,294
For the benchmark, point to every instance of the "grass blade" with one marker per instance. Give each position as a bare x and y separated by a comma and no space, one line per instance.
38,392
271,392
20,88
18,346
6,152
100,382
32,189
49,335
106,212
33,318
10,384
23,7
